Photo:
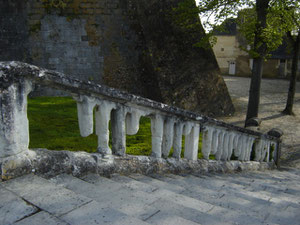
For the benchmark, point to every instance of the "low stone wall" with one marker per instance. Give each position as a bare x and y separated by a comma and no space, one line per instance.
48,163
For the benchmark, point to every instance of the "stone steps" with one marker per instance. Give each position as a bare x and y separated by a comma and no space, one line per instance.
270,197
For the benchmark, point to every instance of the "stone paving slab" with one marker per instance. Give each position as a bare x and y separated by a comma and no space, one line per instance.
95,213
156,183
45,195
166,208
12,207
169,219
115,195
133,184
41,218
190,203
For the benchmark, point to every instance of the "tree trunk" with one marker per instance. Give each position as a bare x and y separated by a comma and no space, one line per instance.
293,79
260,48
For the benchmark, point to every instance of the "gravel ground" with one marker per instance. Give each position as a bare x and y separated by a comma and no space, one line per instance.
272,102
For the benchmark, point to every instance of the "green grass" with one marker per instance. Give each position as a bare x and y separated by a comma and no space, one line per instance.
53,125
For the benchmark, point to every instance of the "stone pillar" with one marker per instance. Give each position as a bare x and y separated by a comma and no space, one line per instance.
191,143
133,121
102,121
157,127
118,131
207,141
257,149
249,148
85,106
14,127
177,144
215,142
242,156
220,148
168,137
239,145
225,152
230,146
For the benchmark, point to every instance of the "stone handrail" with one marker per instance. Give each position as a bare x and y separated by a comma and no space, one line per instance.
168,123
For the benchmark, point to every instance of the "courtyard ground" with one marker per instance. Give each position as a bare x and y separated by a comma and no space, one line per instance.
272,102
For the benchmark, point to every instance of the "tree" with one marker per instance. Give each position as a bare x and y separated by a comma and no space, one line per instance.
292,87
288,12
260,46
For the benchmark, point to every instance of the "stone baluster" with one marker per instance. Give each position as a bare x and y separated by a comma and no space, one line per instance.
133,121
191,133
249,148
118,131
226,146
264,150
243,150
215,141
207,138
239,145
157,128
178,129
235,142
230,145
268,144
274,145
168,136
258,150
85,106
14,128
220,148
102,114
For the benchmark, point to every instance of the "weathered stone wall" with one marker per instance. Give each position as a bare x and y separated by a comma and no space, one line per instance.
132,45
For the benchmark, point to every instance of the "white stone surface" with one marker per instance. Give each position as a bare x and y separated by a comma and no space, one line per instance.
178,129
45,195
41,218
157,128
220,147
102,114
192,142
207,139
85,106
12,207
168,136
14,128
133,121
118,131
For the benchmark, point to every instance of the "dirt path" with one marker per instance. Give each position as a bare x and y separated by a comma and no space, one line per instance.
273,100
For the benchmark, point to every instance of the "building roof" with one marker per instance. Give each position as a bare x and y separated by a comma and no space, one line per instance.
228,27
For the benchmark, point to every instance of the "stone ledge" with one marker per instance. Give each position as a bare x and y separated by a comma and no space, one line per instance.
51,163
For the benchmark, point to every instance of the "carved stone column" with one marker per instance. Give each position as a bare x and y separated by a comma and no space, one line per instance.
14,127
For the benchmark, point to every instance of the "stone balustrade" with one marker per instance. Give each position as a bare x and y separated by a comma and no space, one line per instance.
168,124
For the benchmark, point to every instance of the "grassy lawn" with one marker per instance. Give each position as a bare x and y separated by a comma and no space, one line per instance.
53,125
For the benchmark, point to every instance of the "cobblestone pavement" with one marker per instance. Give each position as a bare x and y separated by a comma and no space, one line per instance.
252,198
272,102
